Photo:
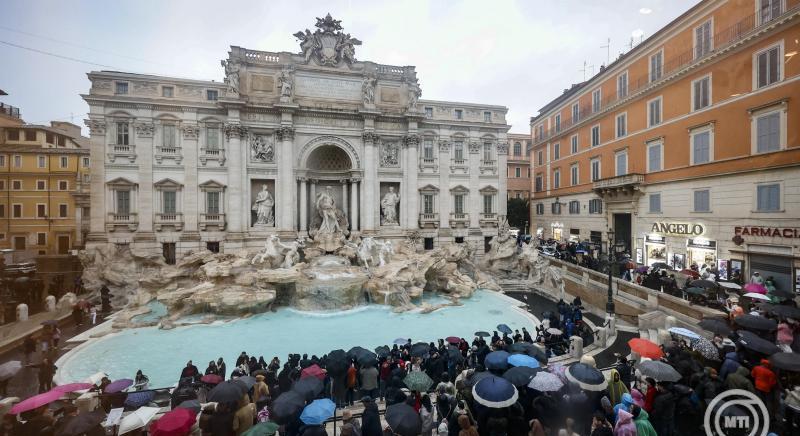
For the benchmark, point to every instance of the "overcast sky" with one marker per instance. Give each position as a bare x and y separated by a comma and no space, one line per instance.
520,54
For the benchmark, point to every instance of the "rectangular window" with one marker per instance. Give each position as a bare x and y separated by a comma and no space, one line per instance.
16,185
557,121
622,125
429,112
487,117
555,208
40,185
654,157
16,211
458,150
62,210
573,144
488,200
123,202
595,135
538,184
518,172
539,209
702,201
701,147
212,202
656,66
30,135
768,133
2,185
654,112
86,162
701,93
487,152
121,88
596,100
49,138
768,66
596,174
769,10
167,91
41,211
655,203
427,149
427,203
17,161
622,85
621,163
61,141
63,185
540,157
596,206
169,135
459,114
41,239
556,179
13,135
575,113
169,202
517,149
212,95
2,210
529,172
556,151
573,175
41,161
2,160
212,138
122,133
64,161
768,198
458,203
574,207
702,39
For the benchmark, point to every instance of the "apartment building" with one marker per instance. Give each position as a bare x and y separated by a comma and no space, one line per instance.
519,166
684,146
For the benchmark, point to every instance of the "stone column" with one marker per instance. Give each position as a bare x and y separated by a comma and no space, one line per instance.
475,207
190,207
370,187
97,152
303,205
354,204
445,202
285,195
78,224
143,202
409,201
502,188
235,215
345,202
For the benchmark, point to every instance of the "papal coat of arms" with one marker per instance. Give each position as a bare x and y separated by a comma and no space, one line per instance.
328,45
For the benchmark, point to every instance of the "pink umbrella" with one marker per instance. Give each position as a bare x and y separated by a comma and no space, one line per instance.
313,371
118,385
36,402
72,387
755,287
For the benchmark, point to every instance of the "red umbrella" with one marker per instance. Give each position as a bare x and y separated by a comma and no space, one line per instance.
755,287
453,340
211,379
645,348
691,272
72,387
313,371
177,422
36,402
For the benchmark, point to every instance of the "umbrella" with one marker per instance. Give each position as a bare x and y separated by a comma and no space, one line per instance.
680,331
786,361
454,355
520,376
288,406
691,273
337,363
50,322
245,382
495,392
755,287
782,310
783,293
555,331
137,419
705,284
496,360
355,352
753,342
587,377
756,296
138,399
420,349
225,392
211,379
82,423
308,387
754,322
705,348
401,341
476,377
418,381
176,422
403,420
504,329
313,371
645,348
660,265
730,285
642,269
367,359
453,340
659,371
318,412
383,351
695,291
262,429
10,369
72,387
193,405
545,382
118,385
530,350
523,360
482,334
715,326
35,402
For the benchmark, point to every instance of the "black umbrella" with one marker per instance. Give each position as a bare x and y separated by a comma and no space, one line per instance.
530,350
707,284
786,361
717,326
783,293
694,290
753,342
403,420
482,334
755,322
502,328
337,363
420,349
82,423
246,382
355,352
781,310
308,387
660,265
520,375
383,351
226,392
473,379
454,355
367,359
288,406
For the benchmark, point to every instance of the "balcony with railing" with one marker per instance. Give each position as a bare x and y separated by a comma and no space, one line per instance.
168,152
429,220
488,219
129,221
459,166
124,151
618,186
428,165
212,221
488,166
459,219
213,153
721,41
8,110
168,220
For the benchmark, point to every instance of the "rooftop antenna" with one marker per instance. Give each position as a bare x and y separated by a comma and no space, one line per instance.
608,50
585,69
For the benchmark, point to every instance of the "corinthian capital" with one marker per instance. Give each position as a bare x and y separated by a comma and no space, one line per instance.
502,147
235,130
96,127
411,140
285,133
370,137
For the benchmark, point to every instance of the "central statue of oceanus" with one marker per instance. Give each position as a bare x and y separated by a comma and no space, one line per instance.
329,224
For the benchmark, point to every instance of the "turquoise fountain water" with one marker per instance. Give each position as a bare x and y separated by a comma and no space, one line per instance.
161,354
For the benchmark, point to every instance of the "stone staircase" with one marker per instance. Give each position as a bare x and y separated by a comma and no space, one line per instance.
514,285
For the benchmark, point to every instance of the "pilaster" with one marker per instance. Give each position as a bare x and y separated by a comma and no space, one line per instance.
410,197
286,185
236,191
445,200
502,174
475,207
369,186
191,206
97,152
143,141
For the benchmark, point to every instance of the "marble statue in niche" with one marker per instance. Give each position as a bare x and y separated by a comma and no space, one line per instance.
389,204
263,207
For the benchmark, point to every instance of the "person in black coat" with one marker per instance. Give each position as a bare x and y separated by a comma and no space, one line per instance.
313,430
370,419
190,371
663,415
624,370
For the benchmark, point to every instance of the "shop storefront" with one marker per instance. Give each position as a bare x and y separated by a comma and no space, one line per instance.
558,231
574,235
655,249
701,251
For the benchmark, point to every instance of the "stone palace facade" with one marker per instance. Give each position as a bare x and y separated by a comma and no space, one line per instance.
179,164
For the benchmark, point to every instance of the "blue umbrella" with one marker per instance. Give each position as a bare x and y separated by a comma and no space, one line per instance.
680,331
523,360
504,329
587,377
496,360
495,392
318,412
138,399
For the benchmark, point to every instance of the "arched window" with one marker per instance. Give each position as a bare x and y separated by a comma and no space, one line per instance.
517,149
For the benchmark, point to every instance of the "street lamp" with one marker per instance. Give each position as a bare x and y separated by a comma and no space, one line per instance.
526,227
610,302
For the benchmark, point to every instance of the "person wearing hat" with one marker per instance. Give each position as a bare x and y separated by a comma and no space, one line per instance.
260,392
371,420
350,426
756,278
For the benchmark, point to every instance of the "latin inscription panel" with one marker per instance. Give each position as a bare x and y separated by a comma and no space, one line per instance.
323,87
